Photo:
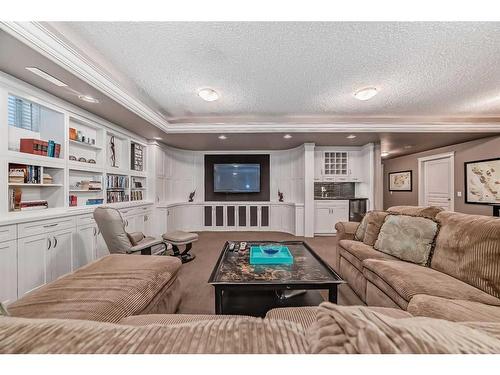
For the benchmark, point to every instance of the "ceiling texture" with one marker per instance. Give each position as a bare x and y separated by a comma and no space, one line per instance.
274,78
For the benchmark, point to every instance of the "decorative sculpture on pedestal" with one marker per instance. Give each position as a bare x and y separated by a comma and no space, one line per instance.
280,195
113,151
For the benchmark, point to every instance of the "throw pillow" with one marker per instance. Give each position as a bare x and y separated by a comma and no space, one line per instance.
3,310
375,220
408,238
360,231
360,330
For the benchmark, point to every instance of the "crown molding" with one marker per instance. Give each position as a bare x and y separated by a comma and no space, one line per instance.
38,37
336,128
44,41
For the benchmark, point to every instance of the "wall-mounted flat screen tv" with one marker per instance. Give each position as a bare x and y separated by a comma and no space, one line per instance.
236,178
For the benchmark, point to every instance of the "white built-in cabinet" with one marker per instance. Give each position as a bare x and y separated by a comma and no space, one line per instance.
328,213
8,271
339,165
84,245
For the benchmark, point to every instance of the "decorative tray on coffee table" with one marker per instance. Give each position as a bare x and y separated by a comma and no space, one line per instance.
270,254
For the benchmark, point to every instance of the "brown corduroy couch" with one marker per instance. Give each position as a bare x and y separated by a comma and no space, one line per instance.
462,282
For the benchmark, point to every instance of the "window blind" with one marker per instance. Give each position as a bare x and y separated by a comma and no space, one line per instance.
23,114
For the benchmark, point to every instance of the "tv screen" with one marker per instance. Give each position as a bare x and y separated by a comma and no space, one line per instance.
236,178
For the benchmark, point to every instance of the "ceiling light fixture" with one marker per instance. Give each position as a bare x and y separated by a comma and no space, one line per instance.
222,136
351,136
287,136
46,76
384,154
88,99
366,93
209,95
158,138
407,147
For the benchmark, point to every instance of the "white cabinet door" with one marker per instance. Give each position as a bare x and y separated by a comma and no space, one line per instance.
323,220
356,166
8,272
172,212
59,256
31,262
318,165
84,243
339,213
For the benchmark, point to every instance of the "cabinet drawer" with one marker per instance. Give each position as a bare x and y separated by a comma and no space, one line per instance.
85,220
44,226
8,232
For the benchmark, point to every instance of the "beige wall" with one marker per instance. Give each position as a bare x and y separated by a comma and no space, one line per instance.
486,148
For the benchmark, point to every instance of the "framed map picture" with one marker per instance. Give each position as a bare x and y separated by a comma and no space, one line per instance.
400,181
482,181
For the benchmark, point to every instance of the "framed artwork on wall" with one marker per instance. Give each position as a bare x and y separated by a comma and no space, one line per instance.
482,181
400,181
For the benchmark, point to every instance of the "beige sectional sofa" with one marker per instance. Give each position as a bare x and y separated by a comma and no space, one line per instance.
462,282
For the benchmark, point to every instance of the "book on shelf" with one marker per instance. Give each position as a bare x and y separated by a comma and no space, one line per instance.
30,174
39,147
39,204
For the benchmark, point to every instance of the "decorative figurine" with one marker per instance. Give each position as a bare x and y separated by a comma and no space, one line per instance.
113,151
280,195
191,196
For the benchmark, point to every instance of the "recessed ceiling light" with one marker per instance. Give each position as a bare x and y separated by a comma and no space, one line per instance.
46,76
366,93
208,95
384,154
88,99
158,138
351,136
407,147
287,136
222,136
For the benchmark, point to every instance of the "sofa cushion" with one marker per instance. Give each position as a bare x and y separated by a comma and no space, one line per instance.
238,336
360,330
355,252
403,280
429,212
353,277
407,237
375,220
108,289
468,248
170,319
453,309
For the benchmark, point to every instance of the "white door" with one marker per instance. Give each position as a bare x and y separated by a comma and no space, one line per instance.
32,254
59,256
436,183
8,272
84,242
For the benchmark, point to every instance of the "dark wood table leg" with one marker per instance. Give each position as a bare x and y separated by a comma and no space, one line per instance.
332,294
218,301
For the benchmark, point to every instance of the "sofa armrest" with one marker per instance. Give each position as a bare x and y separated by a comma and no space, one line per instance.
346,230
135,237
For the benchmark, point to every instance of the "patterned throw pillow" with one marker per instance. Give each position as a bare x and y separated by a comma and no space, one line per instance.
3,310
408,238
360,231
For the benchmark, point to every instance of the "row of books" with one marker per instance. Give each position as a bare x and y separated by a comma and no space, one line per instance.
117,196
40,204
39,147
73,201
115,181
136,195
24,174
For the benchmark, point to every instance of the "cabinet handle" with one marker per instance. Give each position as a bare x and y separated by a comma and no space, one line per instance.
50,225
49,243
55,242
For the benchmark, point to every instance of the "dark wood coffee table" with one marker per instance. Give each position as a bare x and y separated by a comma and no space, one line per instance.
242,288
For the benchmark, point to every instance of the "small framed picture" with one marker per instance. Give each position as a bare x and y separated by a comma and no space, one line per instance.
482,181
400,181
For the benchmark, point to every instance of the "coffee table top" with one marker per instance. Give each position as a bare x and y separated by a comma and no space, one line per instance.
308,268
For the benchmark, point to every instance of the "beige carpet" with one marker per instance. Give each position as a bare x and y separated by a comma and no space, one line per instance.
198,295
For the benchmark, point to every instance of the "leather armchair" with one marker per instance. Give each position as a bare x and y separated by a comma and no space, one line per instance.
112,227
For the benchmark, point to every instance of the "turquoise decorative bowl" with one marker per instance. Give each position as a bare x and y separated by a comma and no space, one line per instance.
270,249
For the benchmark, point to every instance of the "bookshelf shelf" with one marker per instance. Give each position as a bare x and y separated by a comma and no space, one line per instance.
35,185
83,144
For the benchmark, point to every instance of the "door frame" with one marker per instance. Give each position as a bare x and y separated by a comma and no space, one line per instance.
421,161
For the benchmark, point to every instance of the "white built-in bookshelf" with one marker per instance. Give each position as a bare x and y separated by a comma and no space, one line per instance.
66,160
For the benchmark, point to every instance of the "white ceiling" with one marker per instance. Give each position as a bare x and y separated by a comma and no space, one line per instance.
301,71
